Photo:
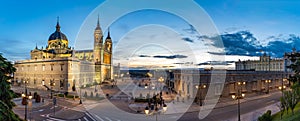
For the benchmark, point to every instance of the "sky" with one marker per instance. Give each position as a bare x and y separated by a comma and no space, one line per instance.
246,28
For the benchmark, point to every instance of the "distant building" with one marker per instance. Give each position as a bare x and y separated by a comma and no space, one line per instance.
190,82
64,68
265,63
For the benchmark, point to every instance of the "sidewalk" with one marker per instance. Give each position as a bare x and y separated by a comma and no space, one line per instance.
68,114
31,103
188,106
253,116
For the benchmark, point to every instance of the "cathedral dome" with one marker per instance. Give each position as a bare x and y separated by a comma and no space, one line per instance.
57,34
57,39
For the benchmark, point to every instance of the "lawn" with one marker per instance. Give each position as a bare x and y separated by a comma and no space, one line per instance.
289,116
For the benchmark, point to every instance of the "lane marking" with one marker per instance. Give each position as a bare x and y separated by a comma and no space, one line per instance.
99,117
107,118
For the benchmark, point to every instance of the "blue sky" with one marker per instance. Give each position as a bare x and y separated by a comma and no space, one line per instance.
23,24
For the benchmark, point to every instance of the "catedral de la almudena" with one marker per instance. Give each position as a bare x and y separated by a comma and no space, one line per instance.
60,66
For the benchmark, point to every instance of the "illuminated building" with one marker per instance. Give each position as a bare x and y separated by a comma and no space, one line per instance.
68,68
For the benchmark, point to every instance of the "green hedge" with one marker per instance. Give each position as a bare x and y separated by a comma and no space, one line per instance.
68,96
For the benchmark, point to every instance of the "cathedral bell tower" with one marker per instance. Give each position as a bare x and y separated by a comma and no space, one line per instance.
98,42
107,58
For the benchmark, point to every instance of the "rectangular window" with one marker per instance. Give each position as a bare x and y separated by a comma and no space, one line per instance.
51,67
43,67
62,67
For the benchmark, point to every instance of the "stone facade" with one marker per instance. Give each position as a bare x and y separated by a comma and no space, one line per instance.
67,68
224,83
265,63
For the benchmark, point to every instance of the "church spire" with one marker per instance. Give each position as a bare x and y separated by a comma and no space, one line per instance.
57,25
98,24
36,46
108,35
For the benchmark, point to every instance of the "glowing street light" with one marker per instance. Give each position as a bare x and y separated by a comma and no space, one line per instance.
200,87
239,96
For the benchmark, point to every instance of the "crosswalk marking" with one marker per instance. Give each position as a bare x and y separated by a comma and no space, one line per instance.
99,118
54,119
107,118
91,117
85,118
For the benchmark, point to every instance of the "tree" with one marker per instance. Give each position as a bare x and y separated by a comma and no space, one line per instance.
283,106
266,116
6,94
291,100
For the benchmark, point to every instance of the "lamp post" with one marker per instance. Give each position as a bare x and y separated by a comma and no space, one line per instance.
200,87
282,87
268,82
149,89
155,106
25,98
80,101
239,96
51,83
161,80
30,97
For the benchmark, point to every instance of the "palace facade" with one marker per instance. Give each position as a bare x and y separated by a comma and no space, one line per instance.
64,69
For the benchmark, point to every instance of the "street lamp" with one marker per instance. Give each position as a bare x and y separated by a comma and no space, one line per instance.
51,83
80,101
156,105
161,80
239,96
268,82
282,87
25,97
149,86
30,97
200,87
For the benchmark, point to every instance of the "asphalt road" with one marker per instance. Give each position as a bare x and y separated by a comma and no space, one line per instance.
46,112
105,112
231,111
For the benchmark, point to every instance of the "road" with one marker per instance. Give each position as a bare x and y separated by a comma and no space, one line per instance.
230,112
106,112
45,111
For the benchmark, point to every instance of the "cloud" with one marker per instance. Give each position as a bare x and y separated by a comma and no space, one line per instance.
170,56
216,63
216,53
244,43
190,30
188,39
164,56
144,56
